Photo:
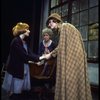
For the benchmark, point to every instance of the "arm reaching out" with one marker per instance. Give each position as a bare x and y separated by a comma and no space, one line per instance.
46,56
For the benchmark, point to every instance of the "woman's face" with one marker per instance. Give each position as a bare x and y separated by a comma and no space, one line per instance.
52,24
46,37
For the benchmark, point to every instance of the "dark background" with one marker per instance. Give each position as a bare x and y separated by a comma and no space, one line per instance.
13,11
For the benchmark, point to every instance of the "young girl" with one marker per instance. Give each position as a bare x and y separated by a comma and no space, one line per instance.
17,76
47,45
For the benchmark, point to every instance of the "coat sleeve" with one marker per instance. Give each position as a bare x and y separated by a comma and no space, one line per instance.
19,49
62,31
54,52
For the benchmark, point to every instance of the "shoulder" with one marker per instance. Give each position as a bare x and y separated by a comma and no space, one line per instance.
53,43
41,43
16,40
66,25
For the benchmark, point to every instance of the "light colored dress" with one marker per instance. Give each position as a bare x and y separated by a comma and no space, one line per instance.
16,85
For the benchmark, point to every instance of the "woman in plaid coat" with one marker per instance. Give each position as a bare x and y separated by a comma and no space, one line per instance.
71,74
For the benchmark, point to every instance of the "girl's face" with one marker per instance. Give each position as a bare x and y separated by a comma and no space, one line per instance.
52,24
46,37
27,32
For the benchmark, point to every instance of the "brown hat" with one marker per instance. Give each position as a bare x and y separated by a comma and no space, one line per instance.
54,16
19,27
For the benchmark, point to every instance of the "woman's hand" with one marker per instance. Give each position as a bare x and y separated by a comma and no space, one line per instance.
46,56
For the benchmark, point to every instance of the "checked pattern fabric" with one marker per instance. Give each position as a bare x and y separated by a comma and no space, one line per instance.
72,81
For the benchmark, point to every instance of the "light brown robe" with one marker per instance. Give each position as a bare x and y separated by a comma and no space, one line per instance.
71,75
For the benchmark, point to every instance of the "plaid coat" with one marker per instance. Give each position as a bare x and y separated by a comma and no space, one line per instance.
71,77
